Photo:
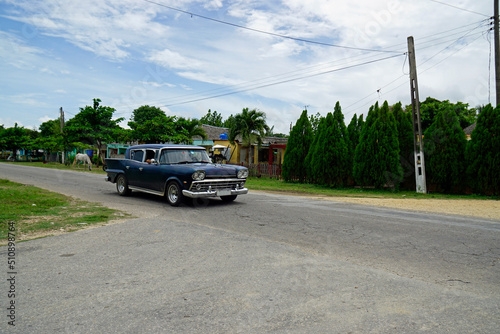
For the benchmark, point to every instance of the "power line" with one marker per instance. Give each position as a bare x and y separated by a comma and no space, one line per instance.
456,7
423,71
281,82
446,56
288,76
448,46
423,39
270,33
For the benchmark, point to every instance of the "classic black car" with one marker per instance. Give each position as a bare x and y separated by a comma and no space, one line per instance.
175,171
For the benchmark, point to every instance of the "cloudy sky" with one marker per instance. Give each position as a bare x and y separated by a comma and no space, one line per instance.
188,56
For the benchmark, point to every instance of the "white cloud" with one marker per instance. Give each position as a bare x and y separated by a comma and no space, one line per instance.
45,119
163,53
175,60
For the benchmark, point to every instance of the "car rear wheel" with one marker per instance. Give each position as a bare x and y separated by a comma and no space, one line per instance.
174,194
122,186
229,198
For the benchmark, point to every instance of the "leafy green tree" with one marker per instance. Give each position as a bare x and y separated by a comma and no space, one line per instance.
444,148
94,126
212,118
431,107
51,137
483,152
229,122
251,126
149,124
14,138
271,133
405,139
377,155
301,136
2,130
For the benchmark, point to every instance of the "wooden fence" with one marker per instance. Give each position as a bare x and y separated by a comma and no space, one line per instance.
265,169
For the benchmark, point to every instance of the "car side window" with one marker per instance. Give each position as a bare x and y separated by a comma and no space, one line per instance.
137,155
150,154
164,157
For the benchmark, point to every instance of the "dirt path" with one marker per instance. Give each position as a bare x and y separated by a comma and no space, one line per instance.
475,208
462,207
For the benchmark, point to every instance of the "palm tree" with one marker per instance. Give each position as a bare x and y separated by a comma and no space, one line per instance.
194,128
187,129
251,126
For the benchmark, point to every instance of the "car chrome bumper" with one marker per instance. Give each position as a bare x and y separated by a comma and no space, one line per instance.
213,193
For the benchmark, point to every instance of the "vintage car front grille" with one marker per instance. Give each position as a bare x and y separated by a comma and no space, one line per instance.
220,177
219,184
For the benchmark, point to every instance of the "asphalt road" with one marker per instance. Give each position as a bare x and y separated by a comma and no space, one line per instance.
263,264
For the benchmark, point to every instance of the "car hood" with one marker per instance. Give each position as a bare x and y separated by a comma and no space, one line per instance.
214,170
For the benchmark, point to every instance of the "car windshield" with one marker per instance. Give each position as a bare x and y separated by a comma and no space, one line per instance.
183,156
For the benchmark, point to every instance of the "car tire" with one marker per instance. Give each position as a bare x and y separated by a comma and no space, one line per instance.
174,193
229,198
122,186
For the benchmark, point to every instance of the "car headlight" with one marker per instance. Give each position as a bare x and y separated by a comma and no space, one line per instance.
199,175
242,174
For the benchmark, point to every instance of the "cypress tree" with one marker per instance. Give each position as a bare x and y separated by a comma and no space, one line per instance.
405,139
339,149
483,152
444,148
377,155
321,169
363,154
330,155
312,155
390,172
353,133
299,142
361,123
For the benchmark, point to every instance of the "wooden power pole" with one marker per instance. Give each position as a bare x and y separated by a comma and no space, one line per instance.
61,118
497,50
418,145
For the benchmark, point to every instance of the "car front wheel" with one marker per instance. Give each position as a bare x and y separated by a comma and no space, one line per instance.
122,186
174,194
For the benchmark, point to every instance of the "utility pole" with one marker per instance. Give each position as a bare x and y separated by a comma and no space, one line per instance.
418,145
61,119
497,50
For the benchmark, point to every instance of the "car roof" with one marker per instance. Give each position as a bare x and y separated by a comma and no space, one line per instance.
159,146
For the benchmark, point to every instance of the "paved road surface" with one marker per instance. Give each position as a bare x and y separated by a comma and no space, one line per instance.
263,264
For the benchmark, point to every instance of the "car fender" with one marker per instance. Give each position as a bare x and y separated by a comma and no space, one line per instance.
172,178
113,174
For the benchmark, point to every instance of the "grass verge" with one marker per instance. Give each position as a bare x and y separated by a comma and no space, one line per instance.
266,184
57,165
37,212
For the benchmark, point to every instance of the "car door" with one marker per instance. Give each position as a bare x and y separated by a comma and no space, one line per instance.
134,168
150,172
